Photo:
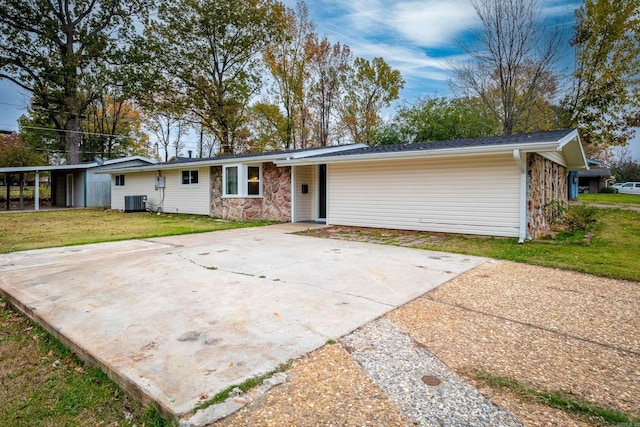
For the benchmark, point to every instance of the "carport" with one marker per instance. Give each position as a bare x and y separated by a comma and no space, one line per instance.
73,185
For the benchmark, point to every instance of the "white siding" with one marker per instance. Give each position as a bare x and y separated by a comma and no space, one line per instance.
177,198
478,195
554,156
305,203
187,199
135,184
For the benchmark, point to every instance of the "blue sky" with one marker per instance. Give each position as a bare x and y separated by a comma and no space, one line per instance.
418,37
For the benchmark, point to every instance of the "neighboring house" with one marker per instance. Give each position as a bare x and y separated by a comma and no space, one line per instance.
589,181
498,186
593,180
79,185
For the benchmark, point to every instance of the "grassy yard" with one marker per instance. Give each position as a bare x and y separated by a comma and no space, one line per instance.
28,192
34,230
625,199
612,251
43,384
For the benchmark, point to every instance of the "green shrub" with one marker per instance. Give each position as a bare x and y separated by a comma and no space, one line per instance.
608,190
555,211
580,217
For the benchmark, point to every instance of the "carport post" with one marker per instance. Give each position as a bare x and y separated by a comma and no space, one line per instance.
36,195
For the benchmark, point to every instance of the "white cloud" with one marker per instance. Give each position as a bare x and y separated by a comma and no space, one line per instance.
432,23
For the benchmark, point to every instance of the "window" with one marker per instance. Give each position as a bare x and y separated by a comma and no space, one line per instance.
231,180
253,180
119,180
242,181
189,177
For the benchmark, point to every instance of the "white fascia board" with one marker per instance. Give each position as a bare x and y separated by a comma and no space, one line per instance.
575,138
326,150
568,138
420,154
130,158
18,169
195,164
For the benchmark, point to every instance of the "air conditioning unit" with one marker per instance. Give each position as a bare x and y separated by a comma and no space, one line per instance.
135,203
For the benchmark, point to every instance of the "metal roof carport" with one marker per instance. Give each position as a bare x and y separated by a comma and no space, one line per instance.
70,169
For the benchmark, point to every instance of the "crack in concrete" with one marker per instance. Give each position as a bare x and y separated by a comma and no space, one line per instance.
335,291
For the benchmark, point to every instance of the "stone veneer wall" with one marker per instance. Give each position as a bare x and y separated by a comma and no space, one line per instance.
546,182
274,205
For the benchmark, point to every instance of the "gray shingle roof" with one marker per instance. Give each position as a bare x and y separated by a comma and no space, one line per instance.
536,137
245,155
595,172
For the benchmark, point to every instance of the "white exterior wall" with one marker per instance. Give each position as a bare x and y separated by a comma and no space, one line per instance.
135,184
191,199
469,195
305,204
555,157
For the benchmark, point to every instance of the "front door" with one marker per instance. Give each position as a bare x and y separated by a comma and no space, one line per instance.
69,193
322,192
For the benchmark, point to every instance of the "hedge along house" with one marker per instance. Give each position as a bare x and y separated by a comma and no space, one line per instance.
80,185
497,186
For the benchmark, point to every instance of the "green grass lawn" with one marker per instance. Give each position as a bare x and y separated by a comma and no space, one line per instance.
28,192
43,384
613,251
625,199
46,229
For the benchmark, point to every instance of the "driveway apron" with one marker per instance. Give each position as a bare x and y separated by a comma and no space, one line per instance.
175,320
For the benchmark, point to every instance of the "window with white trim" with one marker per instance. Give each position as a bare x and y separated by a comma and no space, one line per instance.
189,177
119,180
242,181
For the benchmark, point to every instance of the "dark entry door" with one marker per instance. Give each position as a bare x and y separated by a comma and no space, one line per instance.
322,191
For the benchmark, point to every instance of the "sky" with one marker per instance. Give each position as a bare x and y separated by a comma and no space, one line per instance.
417,37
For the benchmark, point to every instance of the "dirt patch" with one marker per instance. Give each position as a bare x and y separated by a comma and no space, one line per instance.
326,387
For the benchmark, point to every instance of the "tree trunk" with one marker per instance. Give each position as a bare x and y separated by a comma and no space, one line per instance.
72,140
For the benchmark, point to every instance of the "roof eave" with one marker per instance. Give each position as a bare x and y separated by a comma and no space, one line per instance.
418,154
195,164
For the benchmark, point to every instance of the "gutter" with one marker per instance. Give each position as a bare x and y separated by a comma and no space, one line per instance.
522,165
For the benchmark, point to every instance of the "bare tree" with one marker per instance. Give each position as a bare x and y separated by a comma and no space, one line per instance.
511,59
329,65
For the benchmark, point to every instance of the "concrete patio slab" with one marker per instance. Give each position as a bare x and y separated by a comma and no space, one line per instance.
178,319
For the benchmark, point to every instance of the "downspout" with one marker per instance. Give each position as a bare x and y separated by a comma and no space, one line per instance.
522,165
36,194
85,188
293,195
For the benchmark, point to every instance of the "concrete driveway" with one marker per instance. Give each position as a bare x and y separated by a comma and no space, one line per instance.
178,319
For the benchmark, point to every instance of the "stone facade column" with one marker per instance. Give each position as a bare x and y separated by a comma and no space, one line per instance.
274,205
546,183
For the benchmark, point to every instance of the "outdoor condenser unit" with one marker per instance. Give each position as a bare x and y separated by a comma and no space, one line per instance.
135,203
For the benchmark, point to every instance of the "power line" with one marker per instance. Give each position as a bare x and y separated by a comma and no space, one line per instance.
69,131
